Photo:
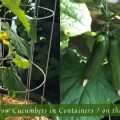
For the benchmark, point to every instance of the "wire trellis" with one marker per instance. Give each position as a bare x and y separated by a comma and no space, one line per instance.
44,73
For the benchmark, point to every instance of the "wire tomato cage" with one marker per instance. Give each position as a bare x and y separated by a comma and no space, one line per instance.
36,17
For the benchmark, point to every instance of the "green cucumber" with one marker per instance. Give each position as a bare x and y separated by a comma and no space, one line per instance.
96,58
114,62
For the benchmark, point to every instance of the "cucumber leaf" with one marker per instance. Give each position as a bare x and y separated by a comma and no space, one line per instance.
22,47
75,18
11,80
97,91
20,61
13,5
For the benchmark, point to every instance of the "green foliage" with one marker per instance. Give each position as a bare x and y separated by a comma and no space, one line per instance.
41,49
40,58
114,62
20,61
64,39
100,89
10,78
18,46
13,5
72,90
83,1
21,46
33,32
75,20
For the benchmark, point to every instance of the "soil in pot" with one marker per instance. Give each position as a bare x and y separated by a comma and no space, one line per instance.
7,100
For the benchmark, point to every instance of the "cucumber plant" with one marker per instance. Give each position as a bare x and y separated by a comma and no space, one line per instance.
96,58
99,68
14,8
18,49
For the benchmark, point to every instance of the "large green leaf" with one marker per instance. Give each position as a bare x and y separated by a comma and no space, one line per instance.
20,61
97,91
11,80
21,46
75,18
13,5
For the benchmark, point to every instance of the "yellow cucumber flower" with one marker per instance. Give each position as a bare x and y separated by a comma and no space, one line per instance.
0,35
5,38
6,42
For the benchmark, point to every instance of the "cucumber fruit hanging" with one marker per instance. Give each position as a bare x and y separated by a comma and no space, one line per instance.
98,54
107,46
104,46
114,61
